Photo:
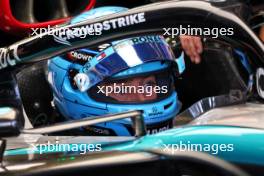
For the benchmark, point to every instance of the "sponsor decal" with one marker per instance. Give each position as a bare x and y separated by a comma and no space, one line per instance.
82,81
159,127
119,22
158,130
148,39
101,56
8,57
155,111
97,28
74,55
62,35
103,46
98,130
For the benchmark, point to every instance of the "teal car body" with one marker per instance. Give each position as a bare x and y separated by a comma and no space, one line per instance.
235,138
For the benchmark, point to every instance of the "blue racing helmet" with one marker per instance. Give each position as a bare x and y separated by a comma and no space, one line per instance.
130,74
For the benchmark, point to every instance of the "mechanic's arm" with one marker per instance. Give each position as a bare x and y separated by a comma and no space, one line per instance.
193,47
261,34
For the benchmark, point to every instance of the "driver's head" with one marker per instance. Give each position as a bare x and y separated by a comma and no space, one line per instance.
129,74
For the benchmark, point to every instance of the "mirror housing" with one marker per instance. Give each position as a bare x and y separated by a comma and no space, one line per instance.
10,123
260,82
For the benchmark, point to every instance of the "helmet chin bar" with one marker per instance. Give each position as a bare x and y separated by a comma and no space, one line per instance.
149,19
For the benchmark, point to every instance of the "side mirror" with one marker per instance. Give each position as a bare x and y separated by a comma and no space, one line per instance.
10,123
136,118
11,113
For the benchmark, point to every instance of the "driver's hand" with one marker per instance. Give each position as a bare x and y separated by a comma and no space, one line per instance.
193,47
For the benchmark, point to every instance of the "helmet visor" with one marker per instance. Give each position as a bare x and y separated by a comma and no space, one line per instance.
122,56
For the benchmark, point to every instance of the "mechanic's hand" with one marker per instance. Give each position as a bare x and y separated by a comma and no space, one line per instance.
261,33
192,46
